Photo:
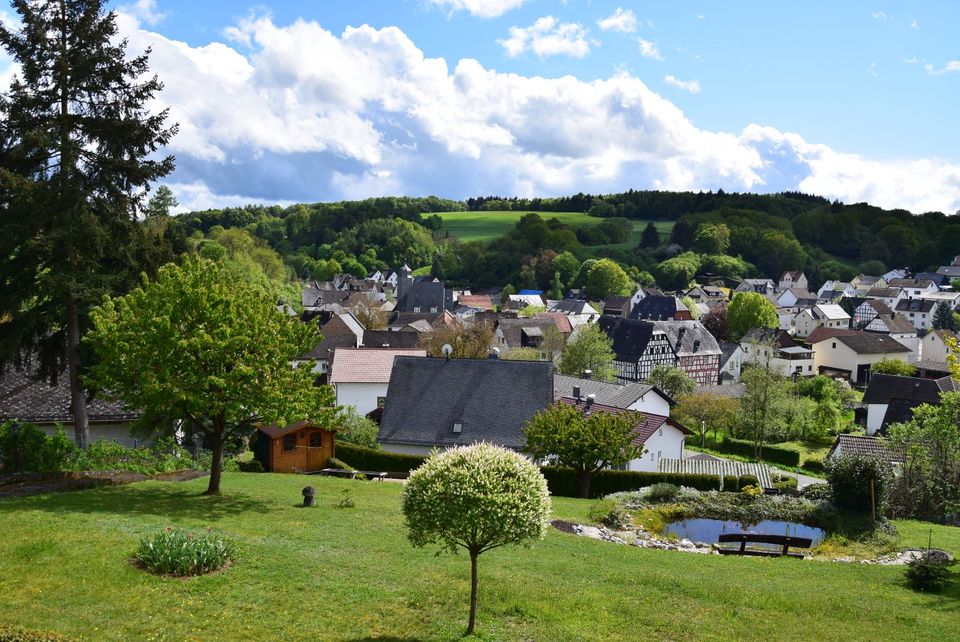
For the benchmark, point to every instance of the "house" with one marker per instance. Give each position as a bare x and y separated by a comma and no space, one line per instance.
479,302
707,294
25,398
863,446
521,332
731,360
822,315
617,306
898,327
520,301
638,346
918,311
631,396
660,437
851,355
833,290
951,271
321,357
440,403
778,350
896,273
360,376
405,338
765,287
697,351
949,297
915,287
643,292
579,311
889,296
891,399
789,298
934,345
941,280
295,448
867,311
661,308
863,283
792,279
422,296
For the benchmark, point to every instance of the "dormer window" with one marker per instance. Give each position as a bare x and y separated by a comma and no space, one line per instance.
416,310
458,427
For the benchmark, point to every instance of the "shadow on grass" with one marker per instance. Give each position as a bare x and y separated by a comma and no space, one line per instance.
385,638
137,499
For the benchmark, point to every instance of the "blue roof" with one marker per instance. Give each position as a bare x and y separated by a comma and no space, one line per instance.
536,292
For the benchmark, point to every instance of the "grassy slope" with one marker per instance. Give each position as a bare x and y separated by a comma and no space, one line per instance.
486,226
349,574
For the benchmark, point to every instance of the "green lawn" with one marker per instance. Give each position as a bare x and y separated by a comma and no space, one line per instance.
349,574
486,226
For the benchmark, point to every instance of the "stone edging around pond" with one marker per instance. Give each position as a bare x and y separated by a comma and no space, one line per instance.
643,539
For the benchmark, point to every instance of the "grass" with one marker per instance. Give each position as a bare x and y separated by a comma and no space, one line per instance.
350,574
486,226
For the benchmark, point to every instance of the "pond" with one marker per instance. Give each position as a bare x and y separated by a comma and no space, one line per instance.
708,531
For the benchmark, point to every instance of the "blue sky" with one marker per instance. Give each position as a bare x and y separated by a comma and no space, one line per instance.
321,100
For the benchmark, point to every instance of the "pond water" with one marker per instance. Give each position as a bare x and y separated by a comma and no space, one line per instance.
708,530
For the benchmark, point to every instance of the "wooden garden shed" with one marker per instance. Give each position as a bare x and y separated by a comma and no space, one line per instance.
295,448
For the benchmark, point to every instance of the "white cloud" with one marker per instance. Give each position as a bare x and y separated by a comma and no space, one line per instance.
145,11
872,70
879,15
912,60
951,66
913,24
198,196
479,8
649,49
547,37
693,86
622,20
283,113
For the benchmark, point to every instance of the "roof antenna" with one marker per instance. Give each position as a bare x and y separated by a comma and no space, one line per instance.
447,350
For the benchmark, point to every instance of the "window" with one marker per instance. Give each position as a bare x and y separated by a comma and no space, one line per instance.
834,345
433,309
458,427
659,454
661,431
416,310
316,439
289,441
381,402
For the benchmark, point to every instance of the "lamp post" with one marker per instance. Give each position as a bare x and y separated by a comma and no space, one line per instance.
15,432
197,438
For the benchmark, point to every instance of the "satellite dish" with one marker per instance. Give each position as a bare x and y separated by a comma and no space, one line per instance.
446,350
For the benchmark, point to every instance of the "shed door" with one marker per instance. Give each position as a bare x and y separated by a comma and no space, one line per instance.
316,453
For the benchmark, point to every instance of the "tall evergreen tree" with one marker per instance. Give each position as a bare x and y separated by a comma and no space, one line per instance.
943,318
650,236
77,147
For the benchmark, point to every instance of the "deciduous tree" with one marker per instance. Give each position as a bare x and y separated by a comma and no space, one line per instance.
589,349
750,310
671,380
706,411
469,340
893,367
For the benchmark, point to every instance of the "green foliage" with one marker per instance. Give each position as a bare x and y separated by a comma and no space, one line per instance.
587,443
850,479
690,305
589,349
31,449
928,573
521,354
368,459
356,429
10,633
182,553
750,310
162,202
772,454
814,465
607,278
944,318
705,412
334,462
564,482
252,466
477,498
200,344
732,267
711,238
672,380
662,493
650,237
677,273
761,410
566,265
747,481
730,483
894,367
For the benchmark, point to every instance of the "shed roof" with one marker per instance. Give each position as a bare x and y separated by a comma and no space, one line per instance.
367,365
864,446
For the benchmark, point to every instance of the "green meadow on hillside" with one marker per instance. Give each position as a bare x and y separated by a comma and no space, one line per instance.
486,226
329,573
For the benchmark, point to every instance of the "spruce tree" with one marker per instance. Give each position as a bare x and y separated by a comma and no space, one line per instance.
77,154
943,318
650,236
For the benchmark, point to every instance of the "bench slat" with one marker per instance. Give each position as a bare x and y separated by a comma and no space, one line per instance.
744,538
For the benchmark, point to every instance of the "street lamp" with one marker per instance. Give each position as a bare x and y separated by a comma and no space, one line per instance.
197,437
15,432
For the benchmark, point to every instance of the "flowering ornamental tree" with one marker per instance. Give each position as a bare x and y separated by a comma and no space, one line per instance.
477,498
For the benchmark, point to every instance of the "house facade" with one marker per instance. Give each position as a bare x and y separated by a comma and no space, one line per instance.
639,346
361,377
851,355
822,315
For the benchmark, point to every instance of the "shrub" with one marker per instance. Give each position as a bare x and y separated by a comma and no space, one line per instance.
850,477
252,466
368,459
179,552
926,573
747,480
345,500
752,491
31,447
357,429
333,462
785,483
662,492
730,483
563,481
617,518
818,492
814,465
600,508
10,633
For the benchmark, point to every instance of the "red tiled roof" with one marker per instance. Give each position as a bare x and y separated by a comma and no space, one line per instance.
647,424
478,301
561,320
367,365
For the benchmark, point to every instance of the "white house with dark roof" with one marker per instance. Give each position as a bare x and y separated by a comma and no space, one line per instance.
918,311
915,287
891,399
898,327
851,355
631,396
792,279
934,345
361,377
822,315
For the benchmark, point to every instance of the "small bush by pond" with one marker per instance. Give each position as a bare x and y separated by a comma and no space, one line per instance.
174,551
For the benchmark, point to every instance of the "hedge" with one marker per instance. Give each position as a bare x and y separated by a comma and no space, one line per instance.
18,634
363,458
773,454
730,483
562,482
747,480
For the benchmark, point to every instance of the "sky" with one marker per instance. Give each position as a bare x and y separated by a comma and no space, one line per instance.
302,101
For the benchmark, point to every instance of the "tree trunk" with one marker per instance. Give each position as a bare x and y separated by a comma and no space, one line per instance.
78,400
216,465
583,483
473,590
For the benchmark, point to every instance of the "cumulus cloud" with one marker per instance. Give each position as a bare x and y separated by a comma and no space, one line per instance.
878,15
547,37
649,49
479,8
622,20
287,113
693,86
951,66
145,11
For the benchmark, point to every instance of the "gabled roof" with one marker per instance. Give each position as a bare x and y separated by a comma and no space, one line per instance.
325,349
373,339
367,365
657,308
688,337
915,305
618,303
830,311
884,387
25,398
884,293
872,343
820,334
769,336
799,293
939,279
513,330
878,306
911,283
476,301
647,424
559,319
273,430
610,394
864,446
572,306
894,324
727,350
629,336
491,399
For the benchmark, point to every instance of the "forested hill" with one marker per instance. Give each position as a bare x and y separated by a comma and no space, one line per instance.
767,234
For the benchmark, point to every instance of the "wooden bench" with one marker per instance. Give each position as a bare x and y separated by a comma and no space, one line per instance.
784,541
352,474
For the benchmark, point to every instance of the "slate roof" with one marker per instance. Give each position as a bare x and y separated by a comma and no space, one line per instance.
513,330
629,336
391,339
688,337
24,398
326,348
610,394
884,293
911,283
864,446
423,295
872,343
767,336
894,323
492,399
657,308
949,271
367,365
647,424
572,306
884,387
727,350
879,307
915,305
939,279
618,303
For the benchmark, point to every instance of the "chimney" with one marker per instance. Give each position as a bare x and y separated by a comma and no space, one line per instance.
576,393
587,374
590,399
680,336
494,354
696,345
